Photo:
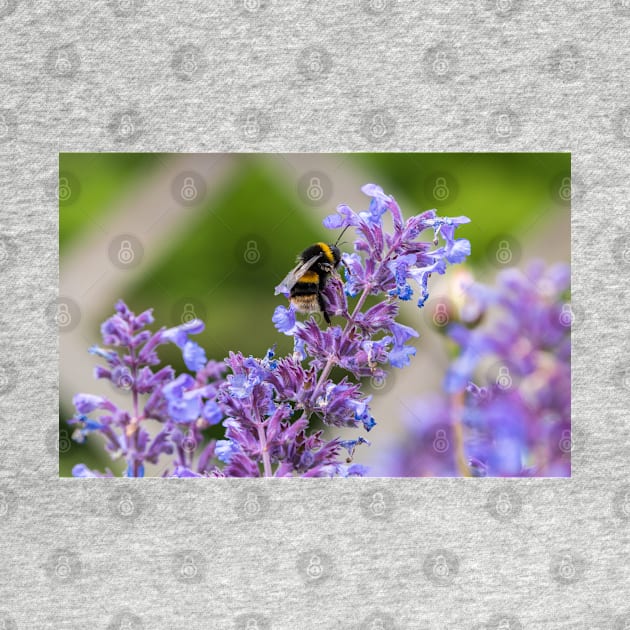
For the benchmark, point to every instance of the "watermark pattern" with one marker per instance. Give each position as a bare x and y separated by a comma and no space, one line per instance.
125,504
188,309
504,621
7,622
189,63
440,62
565,189
251,251
188,188
251,8
441,188
378,504
315,188
441,567
252,621
315,567
314,62
126,8
378,620
7,7
67,189
189,566
252,504
378,126
566,63
503,251
64,566
503,8
504,503
381,384
439,312
125,620
504,125
63,314
567,567
125,251
253,124
125,126
63,61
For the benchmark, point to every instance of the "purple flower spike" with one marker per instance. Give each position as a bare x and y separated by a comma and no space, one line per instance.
272,408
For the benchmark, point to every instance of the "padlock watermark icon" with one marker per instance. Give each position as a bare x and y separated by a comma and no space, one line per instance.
63,443
440,63
63,569
565,443
440,442
378,126
315,191
566,316
504,378
188,569
126,128
251,255
440,315
126,253
503,505
63,65
189,189
252,505
251,126
377,6
377,506
189,63
504,253
64,190
188,314
503,127
251,6
63,316
379,381
503,7
126,507
441,190
315,570
565,189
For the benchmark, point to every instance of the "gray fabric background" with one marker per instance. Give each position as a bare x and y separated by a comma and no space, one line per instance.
437,77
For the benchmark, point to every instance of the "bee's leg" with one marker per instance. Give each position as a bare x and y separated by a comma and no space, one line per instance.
322,307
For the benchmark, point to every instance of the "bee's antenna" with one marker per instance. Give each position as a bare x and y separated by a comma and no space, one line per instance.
342,233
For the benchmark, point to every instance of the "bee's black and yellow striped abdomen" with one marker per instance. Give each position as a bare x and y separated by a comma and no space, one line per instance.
306,292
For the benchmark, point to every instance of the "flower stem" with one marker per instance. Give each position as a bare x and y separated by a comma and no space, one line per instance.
457,407
262,437
331,360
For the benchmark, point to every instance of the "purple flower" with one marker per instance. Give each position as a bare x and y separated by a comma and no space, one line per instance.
284,319
272,409
508,390
194,356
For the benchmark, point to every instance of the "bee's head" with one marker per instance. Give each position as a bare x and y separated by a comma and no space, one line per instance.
336,255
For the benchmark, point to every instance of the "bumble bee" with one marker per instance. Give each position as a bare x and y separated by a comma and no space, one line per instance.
305,282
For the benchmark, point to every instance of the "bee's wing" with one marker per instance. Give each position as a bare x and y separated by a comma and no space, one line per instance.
293,276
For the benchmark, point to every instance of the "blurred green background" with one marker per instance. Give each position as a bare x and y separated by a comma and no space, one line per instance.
213,234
